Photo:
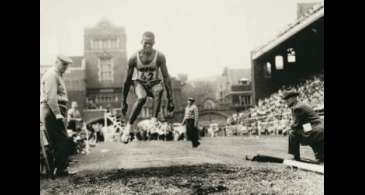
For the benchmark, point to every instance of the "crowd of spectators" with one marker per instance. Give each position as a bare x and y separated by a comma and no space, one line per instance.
272,115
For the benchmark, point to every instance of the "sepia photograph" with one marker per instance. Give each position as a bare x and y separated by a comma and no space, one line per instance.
181,97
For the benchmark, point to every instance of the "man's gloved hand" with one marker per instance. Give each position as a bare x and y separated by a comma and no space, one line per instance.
59,117
170,106
294,126
124,108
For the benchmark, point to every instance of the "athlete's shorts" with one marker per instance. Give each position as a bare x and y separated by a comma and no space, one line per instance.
144,89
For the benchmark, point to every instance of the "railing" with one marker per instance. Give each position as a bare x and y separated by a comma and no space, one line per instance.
241,88
89,114
115,126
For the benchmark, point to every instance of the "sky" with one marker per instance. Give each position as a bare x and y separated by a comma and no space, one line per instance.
198,37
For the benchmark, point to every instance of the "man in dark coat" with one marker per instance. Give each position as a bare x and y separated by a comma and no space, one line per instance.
307,128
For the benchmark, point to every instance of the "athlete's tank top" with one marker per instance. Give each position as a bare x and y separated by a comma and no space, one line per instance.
148,72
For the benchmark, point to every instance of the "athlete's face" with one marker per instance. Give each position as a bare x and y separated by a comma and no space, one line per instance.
147,44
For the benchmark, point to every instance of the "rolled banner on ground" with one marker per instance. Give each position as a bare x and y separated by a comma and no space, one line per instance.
264,158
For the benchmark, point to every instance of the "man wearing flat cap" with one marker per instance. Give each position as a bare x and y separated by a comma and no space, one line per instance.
307,128
191,117
53,112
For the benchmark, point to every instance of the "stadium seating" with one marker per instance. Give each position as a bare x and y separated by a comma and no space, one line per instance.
272,116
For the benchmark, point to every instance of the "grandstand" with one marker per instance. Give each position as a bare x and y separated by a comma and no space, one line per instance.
293,59
293,56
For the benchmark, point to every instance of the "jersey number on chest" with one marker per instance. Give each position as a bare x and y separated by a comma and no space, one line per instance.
146,76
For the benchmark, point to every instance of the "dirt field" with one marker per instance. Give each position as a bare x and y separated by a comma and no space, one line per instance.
216,167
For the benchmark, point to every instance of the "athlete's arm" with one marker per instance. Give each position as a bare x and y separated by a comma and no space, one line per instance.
166,78
128,81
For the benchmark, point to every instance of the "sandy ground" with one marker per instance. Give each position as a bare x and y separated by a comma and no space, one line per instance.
216,167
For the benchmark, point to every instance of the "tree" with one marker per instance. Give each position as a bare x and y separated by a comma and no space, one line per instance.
183,78
199,90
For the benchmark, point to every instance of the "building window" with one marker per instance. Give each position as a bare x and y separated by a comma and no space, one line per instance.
109,44
279,62
95,44
235,100
106,70
267,70
100,44
117,43
91,44
247,100
291,55
113,43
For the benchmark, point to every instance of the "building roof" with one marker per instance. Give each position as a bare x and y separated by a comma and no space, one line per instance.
234,75
308,18
104,25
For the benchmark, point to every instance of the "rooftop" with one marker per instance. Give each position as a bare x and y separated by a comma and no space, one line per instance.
310,16
234,75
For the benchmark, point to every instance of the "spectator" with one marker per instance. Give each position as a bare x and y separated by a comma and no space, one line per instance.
311,92
91,104
99,133
191,121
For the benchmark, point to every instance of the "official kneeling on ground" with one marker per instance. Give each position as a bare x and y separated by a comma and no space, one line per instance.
307,127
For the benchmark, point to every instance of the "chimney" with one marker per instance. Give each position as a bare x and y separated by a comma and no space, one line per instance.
304,7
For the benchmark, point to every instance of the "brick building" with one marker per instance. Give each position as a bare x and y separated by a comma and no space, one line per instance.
106,61
96,78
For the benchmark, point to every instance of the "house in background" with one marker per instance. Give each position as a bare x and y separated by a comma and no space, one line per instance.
234,89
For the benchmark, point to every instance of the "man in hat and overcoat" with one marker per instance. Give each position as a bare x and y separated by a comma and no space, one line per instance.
307,127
